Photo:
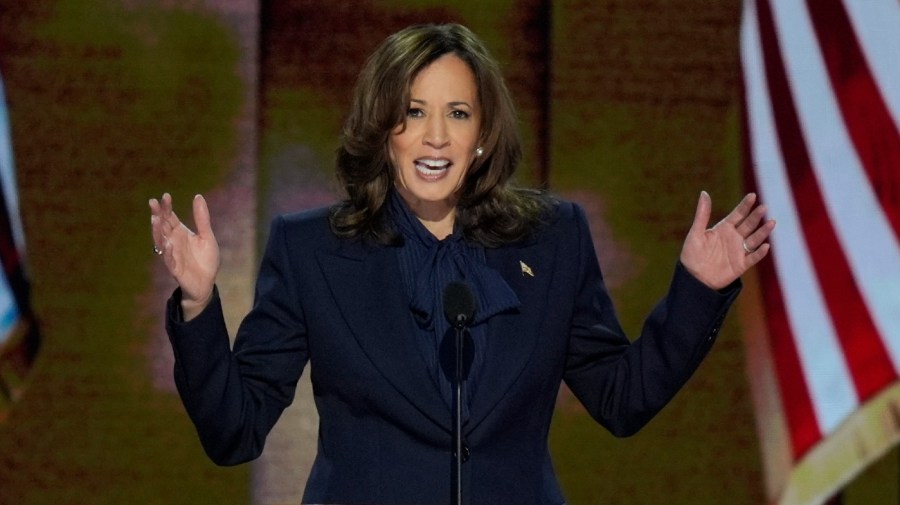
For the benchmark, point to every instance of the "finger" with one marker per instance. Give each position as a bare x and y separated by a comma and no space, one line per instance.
741,211
751,222
168,215
701,215
156,225
202,219
169,220
165,204
757,255
156,212
756,239
156,231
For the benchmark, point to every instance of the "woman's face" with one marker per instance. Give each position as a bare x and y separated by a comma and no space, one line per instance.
435,149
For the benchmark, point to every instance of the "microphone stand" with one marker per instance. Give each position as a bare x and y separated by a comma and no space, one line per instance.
459,307
460,328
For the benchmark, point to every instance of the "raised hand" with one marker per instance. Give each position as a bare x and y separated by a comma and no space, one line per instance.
191,258
719,255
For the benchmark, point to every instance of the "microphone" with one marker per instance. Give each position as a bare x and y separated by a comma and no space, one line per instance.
459,307
459,304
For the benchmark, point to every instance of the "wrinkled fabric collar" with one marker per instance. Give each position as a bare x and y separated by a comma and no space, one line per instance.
434,263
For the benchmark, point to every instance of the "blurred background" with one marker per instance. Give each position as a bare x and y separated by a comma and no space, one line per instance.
628,107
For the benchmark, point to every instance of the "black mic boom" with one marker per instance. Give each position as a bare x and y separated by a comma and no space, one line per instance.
459,304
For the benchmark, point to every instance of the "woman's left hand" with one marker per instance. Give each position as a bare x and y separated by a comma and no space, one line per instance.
719,255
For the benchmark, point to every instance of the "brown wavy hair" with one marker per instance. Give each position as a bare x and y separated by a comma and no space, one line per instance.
490,211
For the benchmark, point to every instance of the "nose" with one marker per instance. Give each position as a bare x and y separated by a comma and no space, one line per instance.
436,133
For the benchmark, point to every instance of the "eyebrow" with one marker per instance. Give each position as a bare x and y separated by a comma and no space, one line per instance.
452,104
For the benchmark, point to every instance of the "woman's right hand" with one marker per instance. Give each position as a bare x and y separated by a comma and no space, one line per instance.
191,258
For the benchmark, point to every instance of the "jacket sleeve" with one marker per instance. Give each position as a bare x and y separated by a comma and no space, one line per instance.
235,397
623,384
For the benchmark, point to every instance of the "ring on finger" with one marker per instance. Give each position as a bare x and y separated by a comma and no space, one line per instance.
747,248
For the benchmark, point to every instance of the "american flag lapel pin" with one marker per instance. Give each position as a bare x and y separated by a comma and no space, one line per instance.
526,270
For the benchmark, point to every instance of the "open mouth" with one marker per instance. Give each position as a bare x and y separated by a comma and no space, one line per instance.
430,168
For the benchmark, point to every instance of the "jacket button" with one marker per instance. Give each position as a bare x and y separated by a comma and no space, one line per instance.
465,453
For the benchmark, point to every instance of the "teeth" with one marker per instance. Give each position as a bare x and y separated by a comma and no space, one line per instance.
429,171
434,164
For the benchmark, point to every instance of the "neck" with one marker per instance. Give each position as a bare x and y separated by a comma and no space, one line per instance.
442,228
437,217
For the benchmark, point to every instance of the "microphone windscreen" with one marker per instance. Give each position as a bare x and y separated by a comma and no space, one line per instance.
459,302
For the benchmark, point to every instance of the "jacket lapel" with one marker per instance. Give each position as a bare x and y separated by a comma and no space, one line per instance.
366,284
512,337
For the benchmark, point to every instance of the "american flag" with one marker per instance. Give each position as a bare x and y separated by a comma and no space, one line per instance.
821,83
19,335
11,236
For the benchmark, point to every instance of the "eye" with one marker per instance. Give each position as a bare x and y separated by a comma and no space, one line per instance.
415,112
459,114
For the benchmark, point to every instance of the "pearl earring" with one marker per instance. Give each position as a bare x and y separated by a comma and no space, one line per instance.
479,151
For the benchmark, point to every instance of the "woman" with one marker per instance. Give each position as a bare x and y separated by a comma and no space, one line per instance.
427,154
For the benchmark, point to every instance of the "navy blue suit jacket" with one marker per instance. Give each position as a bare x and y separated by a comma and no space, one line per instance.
385,429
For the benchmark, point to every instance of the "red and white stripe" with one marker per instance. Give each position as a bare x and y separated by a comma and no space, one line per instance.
12,242
822,91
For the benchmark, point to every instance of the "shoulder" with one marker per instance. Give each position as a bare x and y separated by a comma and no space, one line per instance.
562,240
562,227
566,211
561,220
306,220
304,228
